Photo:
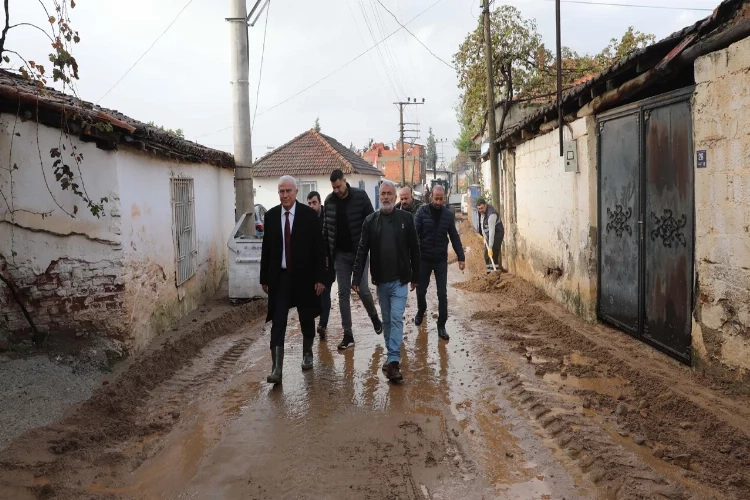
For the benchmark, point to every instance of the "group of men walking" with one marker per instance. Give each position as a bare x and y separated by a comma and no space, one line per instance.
306,248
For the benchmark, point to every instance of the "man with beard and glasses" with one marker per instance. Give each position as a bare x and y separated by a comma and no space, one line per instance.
435,225
390,239
344,212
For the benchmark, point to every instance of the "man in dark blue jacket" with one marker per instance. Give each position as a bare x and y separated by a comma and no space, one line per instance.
435,225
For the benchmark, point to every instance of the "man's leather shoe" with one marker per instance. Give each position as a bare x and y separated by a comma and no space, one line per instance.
418,319
277,355
322,331
442,333
307,354
394,373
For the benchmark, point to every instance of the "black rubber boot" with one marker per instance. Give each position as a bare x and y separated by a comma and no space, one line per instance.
307,354
277,355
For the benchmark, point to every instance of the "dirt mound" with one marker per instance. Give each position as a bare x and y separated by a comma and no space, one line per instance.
496,281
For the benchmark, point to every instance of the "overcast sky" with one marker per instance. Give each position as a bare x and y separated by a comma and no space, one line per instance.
183,82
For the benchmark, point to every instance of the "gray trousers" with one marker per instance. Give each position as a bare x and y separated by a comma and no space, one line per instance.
343,263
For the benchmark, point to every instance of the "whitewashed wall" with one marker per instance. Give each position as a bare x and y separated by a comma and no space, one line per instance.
153,299
67,268
555,231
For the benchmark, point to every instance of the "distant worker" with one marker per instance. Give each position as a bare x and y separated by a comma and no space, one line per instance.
314,202
491,227
292,266
407,201
435,224
390,238
345,210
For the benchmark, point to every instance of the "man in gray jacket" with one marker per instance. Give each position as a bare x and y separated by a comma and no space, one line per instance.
344,212
491,227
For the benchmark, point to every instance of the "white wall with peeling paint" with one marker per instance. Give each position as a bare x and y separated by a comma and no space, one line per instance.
113,275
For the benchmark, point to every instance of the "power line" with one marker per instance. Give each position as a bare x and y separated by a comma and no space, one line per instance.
260,73
332,72
147,51
415,37
639,6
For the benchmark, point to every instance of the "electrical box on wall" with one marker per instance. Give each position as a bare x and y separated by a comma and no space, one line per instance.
570,156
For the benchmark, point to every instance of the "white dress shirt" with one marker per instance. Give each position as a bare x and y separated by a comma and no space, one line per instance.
291,227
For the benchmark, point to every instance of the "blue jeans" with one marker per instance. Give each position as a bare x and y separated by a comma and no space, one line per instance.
441,281
392,297
325,307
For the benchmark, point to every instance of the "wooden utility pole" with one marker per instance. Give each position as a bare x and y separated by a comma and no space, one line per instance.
401,131
494,167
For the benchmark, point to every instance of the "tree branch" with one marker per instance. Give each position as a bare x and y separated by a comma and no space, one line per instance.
37,336
6,28
36,27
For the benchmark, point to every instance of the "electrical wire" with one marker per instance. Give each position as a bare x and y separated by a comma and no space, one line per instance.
260,73
415,37
332,72
147,51
638,6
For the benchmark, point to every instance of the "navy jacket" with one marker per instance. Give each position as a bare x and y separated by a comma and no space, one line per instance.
433,239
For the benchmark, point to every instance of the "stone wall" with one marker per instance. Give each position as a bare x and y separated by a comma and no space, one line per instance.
721,124
550,217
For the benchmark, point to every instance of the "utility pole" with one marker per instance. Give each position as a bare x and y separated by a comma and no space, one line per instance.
401,130
559,74
494,168
243,151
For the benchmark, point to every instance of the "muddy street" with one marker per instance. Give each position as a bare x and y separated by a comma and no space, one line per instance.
523,402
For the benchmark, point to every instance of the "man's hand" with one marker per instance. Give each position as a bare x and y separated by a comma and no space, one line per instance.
413,286
355,288
319,287
265,289
462,265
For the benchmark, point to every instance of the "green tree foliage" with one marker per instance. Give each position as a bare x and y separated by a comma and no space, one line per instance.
431,151
178,132
463,142
317,124
524,69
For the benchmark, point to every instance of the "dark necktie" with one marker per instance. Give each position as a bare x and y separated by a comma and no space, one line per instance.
288,243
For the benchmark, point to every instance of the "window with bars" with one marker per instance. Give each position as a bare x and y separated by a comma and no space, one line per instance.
304,188
183,224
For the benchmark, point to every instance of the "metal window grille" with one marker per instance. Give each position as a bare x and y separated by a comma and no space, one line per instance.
183,222
304,188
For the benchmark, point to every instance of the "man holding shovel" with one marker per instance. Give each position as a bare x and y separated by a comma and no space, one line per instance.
491,227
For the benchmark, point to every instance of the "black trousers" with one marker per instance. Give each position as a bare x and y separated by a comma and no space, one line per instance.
441,282
283,296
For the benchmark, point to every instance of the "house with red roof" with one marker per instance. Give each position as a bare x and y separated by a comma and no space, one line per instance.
310,158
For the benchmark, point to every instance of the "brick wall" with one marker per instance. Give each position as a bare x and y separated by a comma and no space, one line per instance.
721,127
70,296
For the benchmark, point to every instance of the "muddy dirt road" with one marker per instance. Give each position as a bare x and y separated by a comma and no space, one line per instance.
524,402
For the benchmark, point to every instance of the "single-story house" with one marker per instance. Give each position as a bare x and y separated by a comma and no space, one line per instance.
154,253
310,158
644,223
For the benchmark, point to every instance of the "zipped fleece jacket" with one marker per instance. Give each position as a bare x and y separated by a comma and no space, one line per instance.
433,238
359,208
407,248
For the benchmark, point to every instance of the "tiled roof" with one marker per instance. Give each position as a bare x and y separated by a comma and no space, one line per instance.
51,104
311,153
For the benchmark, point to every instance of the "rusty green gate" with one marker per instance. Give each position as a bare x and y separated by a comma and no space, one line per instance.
646,221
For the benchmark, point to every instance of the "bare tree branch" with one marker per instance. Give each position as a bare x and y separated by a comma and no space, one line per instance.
35,27
37,336
6,28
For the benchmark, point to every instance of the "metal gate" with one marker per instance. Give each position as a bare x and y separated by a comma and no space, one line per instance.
646,221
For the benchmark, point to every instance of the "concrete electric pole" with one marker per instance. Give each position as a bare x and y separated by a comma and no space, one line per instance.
494,167
243,152
401,105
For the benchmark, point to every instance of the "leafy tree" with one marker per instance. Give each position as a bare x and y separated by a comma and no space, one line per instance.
317,124
463,142
524,68
431,151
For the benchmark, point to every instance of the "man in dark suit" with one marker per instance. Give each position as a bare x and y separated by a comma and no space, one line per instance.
292,269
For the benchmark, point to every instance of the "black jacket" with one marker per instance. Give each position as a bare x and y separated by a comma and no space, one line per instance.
359,208
433,240
308,258
330,275
414,207
406,244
